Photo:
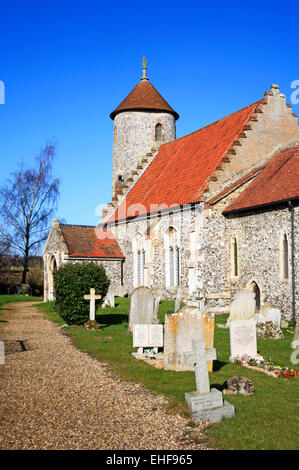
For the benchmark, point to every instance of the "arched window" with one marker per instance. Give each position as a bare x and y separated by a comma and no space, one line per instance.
285,257
158,132
256,290
173,258
139,260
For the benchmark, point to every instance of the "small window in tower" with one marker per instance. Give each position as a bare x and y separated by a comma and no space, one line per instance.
158,132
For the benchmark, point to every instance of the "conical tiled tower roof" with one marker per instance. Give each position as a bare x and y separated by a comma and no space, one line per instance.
144,97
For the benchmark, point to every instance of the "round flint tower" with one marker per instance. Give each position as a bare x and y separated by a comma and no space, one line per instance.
142,122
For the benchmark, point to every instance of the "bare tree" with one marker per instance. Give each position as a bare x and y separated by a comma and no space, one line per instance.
27,203
4,249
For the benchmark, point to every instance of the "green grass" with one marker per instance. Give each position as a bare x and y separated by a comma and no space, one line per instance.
267,420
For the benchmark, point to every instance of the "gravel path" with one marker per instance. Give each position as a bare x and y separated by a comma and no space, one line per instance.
53,396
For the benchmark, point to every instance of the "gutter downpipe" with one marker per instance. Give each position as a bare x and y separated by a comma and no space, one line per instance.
291,207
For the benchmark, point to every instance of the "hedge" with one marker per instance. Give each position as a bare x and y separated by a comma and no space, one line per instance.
71,283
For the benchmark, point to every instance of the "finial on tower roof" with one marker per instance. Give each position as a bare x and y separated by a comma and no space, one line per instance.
144,77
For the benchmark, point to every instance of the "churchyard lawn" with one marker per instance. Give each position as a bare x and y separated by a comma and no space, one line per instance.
269,419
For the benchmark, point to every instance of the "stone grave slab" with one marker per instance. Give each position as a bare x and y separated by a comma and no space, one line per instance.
179,331
141,307
147,336
205,403
243,338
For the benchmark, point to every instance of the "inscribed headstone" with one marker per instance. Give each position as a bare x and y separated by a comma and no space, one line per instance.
243,338
179,331
141,307
148,336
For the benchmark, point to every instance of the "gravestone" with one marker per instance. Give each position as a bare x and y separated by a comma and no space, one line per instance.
92,297
268,313
177,302
295,342
179,331
141,307
147,336
109,298
2,353
205,404
243,338
119,291
243,306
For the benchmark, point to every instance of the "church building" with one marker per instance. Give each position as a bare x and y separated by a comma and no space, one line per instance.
205,215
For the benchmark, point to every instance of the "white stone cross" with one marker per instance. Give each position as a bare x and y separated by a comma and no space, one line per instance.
92,297
199,356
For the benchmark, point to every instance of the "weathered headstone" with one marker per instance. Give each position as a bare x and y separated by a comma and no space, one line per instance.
268,313
92,297
109,298
205,404
243,338
147,336
295,342
119,291
179,331
141,307
177,303
243,306
2,353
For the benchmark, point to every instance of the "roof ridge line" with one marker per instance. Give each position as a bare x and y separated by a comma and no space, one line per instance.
225,158
77,226
259,102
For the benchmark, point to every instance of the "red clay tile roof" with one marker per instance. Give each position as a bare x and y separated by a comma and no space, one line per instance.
278,182
179,173
244,179
90,242
144,97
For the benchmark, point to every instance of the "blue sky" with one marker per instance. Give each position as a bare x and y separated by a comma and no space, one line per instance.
67,64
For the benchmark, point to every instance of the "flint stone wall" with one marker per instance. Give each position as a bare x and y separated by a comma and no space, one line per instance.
134,137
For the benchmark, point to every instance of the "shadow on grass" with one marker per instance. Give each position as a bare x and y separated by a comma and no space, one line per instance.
217,386
111,319
217,365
